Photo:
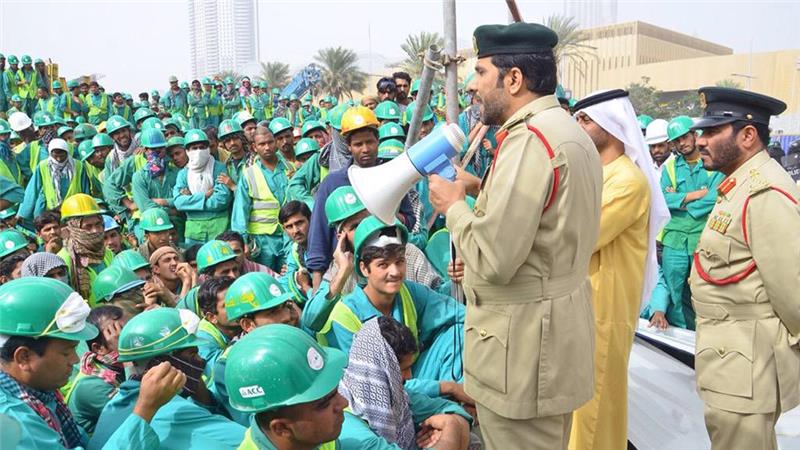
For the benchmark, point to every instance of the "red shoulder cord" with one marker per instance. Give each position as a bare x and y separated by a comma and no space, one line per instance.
751,267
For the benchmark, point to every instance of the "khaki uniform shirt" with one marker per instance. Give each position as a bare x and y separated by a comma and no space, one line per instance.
529,330
746,291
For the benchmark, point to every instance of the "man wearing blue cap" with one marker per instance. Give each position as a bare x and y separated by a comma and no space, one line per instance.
528,341
745,276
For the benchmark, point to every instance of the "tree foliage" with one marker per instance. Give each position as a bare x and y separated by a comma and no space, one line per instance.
275,73
571,45
340,72
647,99
414,47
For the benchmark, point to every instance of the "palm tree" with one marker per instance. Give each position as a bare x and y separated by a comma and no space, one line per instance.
275,73
571,45
414,47
228,73
728,83
340,72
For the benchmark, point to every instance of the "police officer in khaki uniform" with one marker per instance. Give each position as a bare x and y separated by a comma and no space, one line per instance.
745,279
529,331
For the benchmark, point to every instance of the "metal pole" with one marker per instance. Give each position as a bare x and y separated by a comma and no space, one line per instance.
432,56
451,69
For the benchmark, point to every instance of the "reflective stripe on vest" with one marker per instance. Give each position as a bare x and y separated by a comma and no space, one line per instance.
249,444
96,110
323,172
33,159
28,90
673,180
265,207
209,328
347,319
50,196
5,171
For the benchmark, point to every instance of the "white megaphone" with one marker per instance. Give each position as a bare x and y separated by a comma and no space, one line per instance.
382,188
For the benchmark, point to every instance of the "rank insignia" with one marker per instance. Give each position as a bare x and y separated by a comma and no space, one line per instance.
720,221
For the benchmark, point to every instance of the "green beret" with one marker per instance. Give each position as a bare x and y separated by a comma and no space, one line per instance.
513,39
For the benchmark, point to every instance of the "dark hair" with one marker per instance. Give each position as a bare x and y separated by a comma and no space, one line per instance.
386,84
207,294
46,218
776,152
538,68
229,236
402,76
398,336
10,263
761,129
292,208
191,253
211,132
36,345
350,135
391,251
99,315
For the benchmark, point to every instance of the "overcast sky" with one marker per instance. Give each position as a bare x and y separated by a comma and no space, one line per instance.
137,44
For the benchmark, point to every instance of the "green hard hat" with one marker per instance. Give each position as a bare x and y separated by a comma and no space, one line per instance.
276,91
57,85
41,306
80,119
130,259
64,129
8,213
155,220
102,140
263,84
280,365
12,59
71,84
213,253
254,291
390,149
115,123
85,150
387,110
310,125
153,122
207,81
26,59
342,203
194,135
644,120
367,228
143,113
293,97
157,332
391,131
415,86
84,131
229,127
43,119
560,92
228,80
184,85
279,125
114,280
171,121
11,241
679,126
152,138
335,116
306,145
427,113
176,140
5,128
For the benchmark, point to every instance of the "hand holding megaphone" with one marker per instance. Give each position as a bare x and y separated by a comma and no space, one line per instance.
382,188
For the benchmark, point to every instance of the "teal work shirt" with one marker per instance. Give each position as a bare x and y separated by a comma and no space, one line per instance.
197,206
243,203
145,188
11,191
305,181
131,432
180,424
688,220
24,157
117,182
34,202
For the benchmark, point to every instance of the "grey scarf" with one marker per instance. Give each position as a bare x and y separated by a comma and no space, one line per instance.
59,170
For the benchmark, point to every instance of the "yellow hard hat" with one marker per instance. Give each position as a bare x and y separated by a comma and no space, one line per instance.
79,205
358,117
101,127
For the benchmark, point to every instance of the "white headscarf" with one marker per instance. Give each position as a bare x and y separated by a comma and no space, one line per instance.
200,171
618,118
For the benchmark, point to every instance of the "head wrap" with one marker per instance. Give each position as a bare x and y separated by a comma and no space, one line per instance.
38,264
156,163
617,117
373,385
85,249
159,252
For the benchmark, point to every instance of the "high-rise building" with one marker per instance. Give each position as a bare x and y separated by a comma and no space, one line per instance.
592,13
222,34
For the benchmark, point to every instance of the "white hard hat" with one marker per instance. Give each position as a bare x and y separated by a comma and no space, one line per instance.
19,121
59,144
656,132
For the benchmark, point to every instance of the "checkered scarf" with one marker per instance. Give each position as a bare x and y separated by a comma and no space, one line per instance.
61,421
373,385
104,367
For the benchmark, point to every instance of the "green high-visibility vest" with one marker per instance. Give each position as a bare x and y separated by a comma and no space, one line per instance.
265,207
5,171
249,444
347,319
99,108
670,168
27,90
50,195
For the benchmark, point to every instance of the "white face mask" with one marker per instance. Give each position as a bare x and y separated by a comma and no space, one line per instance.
198,158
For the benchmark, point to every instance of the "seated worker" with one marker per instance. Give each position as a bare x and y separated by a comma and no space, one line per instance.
111,234
435,320
134,261
170,272
36,358
100,373
215,331
157,228
379,362
48,231
242,250
43,264
295,217
120,286
147,340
